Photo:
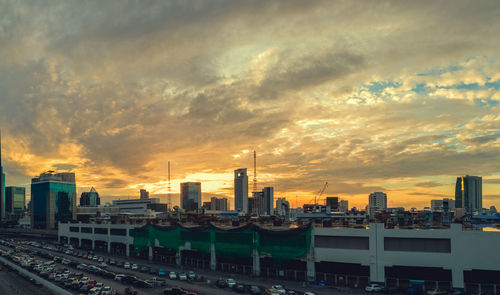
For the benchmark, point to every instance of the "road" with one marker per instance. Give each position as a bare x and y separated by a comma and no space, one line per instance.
12,283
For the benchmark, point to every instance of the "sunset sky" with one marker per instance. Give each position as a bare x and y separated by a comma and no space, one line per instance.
393,96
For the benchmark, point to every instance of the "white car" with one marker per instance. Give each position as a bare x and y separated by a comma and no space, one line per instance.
84,280
119,277
94,291
126,265
134,266
230,283
103,264
309,293
106,290
278,289
172,275
373,288
183,276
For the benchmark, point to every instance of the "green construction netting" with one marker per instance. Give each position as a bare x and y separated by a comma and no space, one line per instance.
237,242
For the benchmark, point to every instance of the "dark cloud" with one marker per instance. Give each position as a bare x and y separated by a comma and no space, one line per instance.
427,184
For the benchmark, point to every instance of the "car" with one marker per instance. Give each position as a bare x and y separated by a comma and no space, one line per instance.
230,282
130,291
271,291
183,276
254,290
119,277
126,265
100,259
279,289
106,290
156,282
84,289
141,284
134,267
161,272
84,280
95,258
94,291
309,293
112,261
240,288
172,275
103,264
191,275
221,283
145,269
119,264
174,291
374,288
128,280
91,283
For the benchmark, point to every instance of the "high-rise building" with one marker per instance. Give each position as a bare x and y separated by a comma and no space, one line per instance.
90,199
191,196
469,193
241,190
268,200
2,184
377,201
218,204
53,197
437,205
344,206
15,202
332,203
144,194
282,207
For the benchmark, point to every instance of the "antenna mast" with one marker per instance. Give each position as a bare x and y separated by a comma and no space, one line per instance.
169,199
254,171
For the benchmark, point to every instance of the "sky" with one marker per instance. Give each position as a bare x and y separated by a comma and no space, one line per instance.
393,96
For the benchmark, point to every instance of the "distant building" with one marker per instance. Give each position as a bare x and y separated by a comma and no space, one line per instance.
241,190
2,185
344,206
282,208
191,196
332,203
377,201
53,197
89,213
268,200
140,206
218,204
144,194
15,202
90,198
437,205
469,193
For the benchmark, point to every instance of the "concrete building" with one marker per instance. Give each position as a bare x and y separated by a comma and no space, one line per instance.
282,208
437,205
140,206
2,185
53,199
268,201
344,206
241,190
15,202
218,204
343,256
469,193
332,203
92,213
144,194
377,201
191,196
90,198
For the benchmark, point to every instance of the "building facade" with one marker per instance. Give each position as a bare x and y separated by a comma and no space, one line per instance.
90,199
344,206
144,194
15,202
377,201
53,197
218,204
2,185
268,200
191,196
469,193
140,206
241,190
332,203
437,205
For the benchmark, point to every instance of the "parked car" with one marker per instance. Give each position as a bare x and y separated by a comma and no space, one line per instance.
191,275
172,275
106,290
279,289
240,288
130,291
437,292
174,291
254,290
183,276
119,277
230,282
126,265
134,267
221,283
144,268
374,288
161,272
141,284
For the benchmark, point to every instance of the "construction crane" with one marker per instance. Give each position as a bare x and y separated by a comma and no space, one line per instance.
320,193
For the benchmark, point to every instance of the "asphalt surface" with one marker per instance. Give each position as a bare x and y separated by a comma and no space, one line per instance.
12,283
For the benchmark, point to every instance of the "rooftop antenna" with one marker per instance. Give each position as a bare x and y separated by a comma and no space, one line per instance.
169,199
254,171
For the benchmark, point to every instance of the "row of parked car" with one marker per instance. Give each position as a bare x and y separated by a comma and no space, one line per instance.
256,290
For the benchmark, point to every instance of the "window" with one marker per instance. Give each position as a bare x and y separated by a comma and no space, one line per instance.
417,245
74,229
86,230
341,242
119,231
100,231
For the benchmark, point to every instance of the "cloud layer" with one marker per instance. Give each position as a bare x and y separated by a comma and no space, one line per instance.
386,95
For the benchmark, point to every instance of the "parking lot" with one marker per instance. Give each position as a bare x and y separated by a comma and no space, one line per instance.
72,269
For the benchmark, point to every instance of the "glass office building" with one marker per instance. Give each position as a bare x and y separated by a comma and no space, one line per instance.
53,199
15,202
90,199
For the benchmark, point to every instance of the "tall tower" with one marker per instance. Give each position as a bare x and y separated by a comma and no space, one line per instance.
2,184
169,198
469,193
241,190
254,171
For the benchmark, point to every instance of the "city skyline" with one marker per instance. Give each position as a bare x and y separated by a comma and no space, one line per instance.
364,97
